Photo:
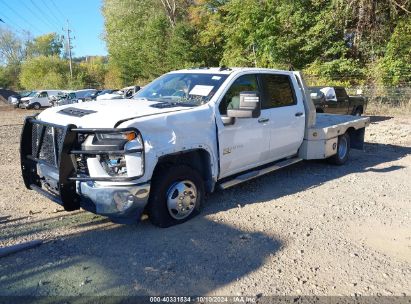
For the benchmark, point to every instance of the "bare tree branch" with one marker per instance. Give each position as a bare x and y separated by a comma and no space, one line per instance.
400,6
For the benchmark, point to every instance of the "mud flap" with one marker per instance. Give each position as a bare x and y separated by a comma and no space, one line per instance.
357,139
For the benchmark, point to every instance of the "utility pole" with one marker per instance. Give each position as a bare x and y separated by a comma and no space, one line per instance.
69,49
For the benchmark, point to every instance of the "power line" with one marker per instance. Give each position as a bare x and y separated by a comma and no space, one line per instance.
45,20
21,17
9,23
35,15
58,10
51,14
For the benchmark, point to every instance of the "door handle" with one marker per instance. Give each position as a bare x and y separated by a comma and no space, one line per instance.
263,120
298,114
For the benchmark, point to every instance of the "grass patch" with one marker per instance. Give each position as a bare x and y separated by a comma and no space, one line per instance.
387,108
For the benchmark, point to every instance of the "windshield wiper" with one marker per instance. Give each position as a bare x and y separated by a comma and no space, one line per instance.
177,103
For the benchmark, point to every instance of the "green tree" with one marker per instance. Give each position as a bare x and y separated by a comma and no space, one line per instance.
4,79
44,72
395,66
45,45
12,52
146,38
93,72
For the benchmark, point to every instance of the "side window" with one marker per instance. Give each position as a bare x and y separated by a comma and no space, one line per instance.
277,91
231,99
340,93
43,94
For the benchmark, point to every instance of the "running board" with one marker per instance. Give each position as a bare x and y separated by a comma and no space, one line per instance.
253,174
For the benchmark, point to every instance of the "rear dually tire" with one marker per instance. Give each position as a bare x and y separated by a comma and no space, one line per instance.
343,150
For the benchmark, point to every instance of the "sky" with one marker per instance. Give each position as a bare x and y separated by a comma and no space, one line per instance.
47,16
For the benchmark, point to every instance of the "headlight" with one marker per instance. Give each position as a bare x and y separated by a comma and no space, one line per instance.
127,164
114,165
115,141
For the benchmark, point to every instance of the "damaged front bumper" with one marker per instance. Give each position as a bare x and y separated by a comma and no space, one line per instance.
49,166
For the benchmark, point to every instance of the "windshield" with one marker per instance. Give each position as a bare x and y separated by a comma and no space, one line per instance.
183,88
25,94
32,94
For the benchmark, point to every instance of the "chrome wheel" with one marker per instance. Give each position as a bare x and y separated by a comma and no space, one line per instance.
342,147
181,199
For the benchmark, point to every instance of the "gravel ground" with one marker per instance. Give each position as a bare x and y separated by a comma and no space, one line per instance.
310,229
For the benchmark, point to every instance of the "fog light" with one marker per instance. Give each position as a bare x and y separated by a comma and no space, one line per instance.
123,200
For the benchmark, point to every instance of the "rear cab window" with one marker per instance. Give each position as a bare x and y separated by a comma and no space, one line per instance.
277,91
340,93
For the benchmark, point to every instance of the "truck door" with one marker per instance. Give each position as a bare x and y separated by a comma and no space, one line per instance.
286,112
43,99
343,101
245,143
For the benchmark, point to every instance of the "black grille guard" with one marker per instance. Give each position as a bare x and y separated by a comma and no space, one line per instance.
65,146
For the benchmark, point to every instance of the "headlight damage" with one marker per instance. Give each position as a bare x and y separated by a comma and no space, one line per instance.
118,154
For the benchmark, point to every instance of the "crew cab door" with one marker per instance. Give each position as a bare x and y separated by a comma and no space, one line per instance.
245,142
286,113
343,101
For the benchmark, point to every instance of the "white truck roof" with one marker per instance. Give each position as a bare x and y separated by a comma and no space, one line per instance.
228,71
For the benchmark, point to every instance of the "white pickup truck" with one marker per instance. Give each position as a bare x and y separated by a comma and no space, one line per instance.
182,136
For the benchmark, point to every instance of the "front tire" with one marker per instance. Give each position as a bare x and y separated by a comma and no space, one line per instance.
343,150
177,193
36,106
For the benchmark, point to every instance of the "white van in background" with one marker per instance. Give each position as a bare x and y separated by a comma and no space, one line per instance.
38,99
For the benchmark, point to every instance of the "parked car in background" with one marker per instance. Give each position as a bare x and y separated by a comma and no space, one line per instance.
5,94
38,99
92,95
63,98
70,97
81,95
335,100
15,99
126,92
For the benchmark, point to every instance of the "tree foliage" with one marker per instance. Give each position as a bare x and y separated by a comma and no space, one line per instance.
44,72
344,41
45,45
333,41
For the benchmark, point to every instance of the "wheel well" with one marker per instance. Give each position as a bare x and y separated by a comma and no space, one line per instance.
198,159
318,110
359,108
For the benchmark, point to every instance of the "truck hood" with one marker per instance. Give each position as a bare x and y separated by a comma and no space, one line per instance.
26,98
104,113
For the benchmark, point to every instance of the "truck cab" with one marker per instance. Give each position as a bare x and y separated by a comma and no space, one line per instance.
185,134
335,100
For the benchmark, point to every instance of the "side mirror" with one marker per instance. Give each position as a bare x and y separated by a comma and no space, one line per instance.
249,106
